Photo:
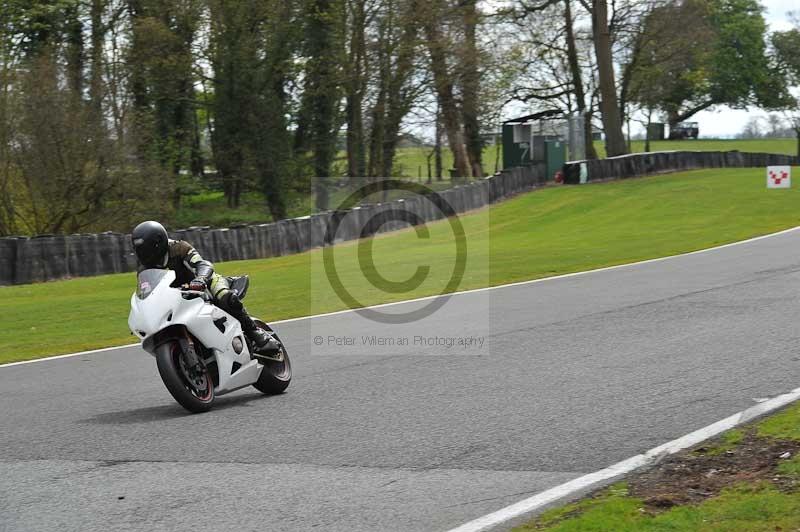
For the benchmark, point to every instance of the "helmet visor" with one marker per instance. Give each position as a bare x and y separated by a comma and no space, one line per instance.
149,254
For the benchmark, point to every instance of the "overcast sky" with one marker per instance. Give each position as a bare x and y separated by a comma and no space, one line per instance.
724,122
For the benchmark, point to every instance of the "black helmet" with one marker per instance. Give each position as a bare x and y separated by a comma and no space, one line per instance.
151,244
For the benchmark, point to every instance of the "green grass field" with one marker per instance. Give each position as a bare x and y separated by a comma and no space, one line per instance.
782,146
742,508
552,231
763,501
413,161
209,208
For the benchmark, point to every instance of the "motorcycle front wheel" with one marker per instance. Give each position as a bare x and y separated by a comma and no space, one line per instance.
193,390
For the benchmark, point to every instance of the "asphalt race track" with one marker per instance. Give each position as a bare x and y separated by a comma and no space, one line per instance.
574,374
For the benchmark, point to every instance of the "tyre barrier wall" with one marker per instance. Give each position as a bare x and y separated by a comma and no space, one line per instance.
641,164
48,257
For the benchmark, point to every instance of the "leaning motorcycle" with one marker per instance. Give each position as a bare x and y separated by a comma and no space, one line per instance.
200,350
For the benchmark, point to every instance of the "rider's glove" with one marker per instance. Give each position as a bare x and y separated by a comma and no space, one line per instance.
197,285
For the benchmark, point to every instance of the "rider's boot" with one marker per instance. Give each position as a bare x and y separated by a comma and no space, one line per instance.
263,342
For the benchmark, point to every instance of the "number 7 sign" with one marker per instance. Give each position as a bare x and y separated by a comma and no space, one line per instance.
779,177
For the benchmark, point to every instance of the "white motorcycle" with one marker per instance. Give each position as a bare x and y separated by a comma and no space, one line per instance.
200,350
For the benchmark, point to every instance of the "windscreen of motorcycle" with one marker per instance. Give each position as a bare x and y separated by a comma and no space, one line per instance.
147,282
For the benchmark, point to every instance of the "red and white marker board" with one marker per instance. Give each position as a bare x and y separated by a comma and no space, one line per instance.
779,176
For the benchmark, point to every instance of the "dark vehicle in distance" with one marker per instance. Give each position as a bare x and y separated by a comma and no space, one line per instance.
684,130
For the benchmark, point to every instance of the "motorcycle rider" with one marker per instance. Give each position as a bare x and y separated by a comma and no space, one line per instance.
154,249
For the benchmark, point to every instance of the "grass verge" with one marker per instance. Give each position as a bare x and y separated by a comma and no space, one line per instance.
781,146
411,160
411,163
552,231
745,480
210,207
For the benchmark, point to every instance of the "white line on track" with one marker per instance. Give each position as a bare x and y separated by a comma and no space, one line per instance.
462,292
56,357
600,478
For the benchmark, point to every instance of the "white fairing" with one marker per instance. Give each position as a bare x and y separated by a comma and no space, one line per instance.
164,306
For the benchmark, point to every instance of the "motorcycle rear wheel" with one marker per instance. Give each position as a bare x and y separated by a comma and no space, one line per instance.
276,375
195,394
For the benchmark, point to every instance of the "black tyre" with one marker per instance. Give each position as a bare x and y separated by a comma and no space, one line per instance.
277,374
195,393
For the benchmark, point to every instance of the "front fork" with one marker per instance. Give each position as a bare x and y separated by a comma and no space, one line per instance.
193,361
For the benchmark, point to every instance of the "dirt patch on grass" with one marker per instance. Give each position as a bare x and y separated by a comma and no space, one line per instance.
692,476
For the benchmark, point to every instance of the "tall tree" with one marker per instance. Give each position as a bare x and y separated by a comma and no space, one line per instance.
318,121
59,169
470,86
356,78
701,54
577,80
395,51
787,51
431,14
609,106
75,50
162,63
233,52
250,47
97,63
271,142
671,40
